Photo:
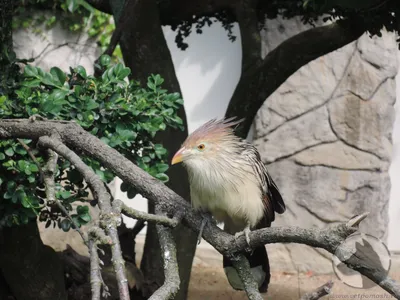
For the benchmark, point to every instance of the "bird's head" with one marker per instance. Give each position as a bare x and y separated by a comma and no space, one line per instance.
208,142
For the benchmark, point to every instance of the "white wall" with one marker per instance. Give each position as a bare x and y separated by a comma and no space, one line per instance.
208,71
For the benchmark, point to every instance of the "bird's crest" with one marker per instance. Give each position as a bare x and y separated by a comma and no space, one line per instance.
213,130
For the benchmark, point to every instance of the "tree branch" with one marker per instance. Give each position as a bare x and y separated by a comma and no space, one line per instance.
257,84
170,203
33,157
242,266
102,5
49,172
319,292
95,272
171,269
246,15
109,220
139,215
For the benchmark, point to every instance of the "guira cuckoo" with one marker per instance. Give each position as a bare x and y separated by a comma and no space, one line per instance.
228,179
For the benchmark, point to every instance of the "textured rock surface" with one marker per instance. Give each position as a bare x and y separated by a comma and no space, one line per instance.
326,137
56,47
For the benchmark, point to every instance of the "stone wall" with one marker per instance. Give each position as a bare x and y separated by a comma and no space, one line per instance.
326,137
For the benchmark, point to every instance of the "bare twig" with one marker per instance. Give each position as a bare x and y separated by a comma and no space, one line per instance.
109,219
171,270
33,157
140,215
139,225
49,172
171,203
95,272
319,292
242,266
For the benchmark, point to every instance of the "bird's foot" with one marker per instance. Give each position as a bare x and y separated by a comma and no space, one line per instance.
246,233
207,218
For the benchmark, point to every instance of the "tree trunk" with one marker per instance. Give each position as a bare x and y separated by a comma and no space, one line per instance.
31,269
146,52
6,10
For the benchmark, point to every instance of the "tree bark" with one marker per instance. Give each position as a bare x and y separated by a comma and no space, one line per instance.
6,11
146,52
31,269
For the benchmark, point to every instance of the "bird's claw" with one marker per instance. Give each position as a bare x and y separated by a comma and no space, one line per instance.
246,233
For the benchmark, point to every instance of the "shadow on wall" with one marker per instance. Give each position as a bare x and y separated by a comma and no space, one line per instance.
208,71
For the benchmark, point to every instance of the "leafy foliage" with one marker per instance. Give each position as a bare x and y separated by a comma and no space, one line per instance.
125,115
374,15
76,15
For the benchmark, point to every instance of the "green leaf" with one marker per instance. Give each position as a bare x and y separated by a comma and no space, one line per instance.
85,217
2,156
81,71
105,60
11,185
65,225
124,187
131,193
158,80
22,164
31,83
82,209
9,151
33,167
162,177
64,194
58,75
25,201
30,71
162,168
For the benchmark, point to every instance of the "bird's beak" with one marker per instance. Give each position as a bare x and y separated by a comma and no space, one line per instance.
178,157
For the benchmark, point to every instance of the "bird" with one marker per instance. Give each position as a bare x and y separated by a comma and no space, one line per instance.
228,180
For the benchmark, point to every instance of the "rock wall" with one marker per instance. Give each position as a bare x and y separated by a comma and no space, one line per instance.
325,135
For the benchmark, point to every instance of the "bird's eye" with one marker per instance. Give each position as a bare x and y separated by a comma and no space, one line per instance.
201,147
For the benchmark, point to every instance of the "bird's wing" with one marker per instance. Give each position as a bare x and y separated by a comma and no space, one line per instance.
272,198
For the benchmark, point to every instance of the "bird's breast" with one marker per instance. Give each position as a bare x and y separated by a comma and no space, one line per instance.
231,195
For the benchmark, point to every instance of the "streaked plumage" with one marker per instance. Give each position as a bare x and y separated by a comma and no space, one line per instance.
229,180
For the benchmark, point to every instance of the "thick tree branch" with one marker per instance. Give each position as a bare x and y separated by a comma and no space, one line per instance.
171,269
246,15
319,292
170,203
108,218
257,84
